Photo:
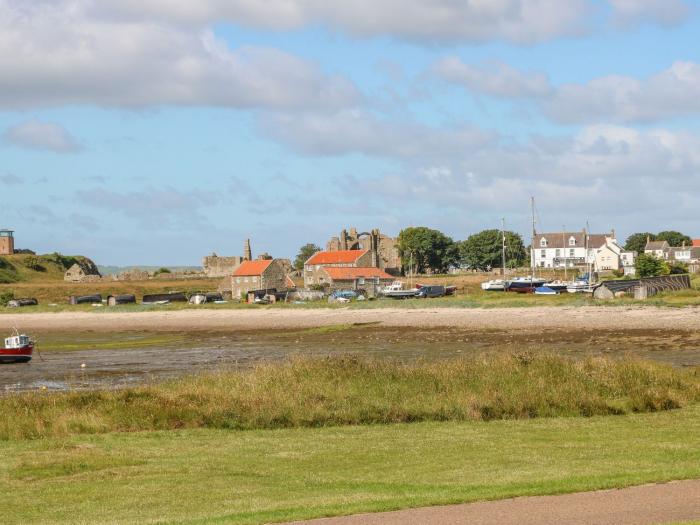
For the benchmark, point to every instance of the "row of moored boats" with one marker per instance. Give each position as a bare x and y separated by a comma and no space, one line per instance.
538,285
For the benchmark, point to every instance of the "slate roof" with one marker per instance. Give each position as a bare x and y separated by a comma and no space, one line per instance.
561,240
656,245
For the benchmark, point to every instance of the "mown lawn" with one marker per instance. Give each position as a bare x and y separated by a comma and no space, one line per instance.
219,476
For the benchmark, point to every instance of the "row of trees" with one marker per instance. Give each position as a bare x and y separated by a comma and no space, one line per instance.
428,249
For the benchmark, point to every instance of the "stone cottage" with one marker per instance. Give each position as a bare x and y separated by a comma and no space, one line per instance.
82,272
368,279
315,274
259,275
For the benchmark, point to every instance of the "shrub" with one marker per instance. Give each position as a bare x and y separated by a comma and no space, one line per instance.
6,297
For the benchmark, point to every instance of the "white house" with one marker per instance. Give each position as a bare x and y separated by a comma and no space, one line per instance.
658,249
628,258
566,249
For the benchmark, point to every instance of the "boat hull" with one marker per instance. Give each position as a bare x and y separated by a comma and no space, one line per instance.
16,355
524,286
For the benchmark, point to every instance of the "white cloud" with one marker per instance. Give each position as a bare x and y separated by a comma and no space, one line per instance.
35,134
670,93
55,54
519,21
611,171
358,131
664,12
496,78
667,94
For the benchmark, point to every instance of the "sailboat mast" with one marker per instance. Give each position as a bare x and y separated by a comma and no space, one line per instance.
563,248
503,246
534,234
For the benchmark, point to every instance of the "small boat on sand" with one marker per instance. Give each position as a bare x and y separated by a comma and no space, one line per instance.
494,285
545,290
396,291
18,348
524,284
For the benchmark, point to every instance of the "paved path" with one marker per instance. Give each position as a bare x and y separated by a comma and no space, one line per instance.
643,505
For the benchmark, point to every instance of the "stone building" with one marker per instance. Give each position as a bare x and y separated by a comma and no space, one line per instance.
315,267
260,275
82,272
216,266
7,242
384,250
370,280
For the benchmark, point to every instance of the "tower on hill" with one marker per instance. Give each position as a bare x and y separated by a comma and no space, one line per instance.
7,242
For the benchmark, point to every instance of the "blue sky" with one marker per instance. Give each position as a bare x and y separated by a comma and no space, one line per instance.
156,132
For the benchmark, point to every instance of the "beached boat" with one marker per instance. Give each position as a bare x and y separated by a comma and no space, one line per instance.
545,290
524,284
494,285
558,286
396,291
18,348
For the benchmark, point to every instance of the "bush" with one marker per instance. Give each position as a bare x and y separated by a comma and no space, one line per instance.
162,269
33,263
6,297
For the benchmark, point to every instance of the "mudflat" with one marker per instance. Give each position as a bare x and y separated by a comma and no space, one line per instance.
598,317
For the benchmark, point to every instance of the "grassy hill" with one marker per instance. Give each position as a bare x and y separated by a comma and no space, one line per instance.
26,267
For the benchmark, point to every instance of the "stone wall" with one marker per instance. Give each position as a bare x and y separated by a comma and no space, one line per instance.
7,245
317,276
216,266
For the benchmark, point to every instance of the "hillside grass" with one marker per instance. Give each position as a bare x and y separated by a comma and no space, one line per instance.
319,392
207,476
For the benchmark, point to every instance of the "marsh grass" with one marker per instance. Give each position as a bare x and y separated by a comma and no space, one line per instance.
318,392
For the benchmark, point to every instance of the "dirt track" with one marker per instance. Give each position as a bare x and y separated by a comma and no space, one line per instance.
644,505
610,318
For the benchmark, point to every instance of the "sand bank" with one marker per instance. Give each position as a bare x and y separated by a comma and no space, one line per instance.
532,318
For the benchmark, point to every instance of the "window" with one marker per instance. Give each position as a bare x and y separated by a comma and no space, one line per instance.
572,241
543,242
557,253
543,253
572,252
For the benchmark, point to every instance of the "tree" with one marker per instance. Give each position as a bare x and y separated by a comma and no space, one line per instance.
674,238
162,270
637,241
426,249
650,266
305,252
483,250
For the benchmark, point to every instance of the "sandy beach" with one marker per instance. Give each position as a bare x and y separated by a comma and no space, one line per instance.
564,318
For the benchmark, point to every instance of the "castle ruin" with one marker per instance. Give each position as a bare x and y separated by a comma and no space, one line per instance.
383,249
216,266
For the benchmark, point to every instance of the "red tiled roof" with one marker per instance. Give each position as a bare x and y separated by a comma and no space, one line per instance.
346,274
696,243
341,256
252,267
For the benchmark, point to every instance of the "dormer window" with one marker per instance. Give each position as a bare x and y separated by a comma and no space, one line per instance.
572,241
543,242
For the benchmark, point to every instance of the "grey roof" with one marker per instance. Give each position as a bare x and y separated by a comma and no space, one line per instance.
561,239
656,245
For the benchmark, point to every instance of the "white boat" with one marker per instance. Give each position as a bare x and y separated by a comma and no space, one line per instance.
545,290
494,285
396,286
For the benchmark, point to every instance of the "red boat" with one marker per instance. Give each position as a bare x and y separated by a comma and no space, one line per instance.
18,349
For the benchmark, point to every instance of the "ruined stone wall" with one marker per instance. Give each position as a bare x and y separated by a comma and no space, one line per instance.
215,266
387,252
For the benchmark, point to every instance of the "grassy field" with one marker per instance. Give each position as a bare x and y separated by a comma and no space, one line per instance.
223,476
319,392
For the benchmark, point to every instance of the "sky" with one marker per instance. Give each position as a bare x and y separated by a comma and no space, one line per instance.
158,131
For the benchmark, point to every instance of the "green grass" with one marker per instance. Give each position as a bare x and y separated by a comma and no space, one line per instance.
245,477
317,392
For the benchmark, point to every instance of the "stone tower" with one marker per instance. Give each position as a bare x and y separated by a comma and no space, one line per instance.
7,242
247,253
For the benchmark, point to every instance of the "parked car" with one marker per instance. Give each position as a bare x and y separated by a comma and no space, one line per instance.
426,292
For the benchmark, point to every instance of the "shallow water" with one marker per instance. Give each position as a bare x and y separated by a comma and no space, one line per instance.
90,361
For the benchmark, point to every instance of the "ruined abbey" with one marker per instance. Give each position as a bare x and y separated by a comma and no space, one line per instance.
383,249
